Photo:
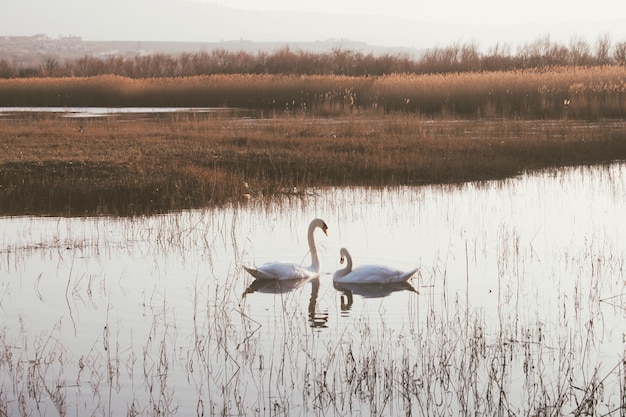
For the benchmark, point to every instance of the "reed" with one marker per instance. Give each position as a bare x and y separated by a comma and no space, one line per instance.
119,166
593,92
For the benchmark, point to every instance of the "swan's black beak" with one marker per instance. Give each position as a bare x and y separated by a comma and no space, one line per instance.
341,260
325,229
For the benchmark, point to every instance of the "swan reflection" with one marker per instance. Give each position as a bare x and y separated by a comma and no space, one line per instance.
272,286
368,291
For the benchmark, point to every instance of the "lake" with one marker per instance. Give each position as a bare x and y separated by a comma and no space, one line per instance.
518,307
130,113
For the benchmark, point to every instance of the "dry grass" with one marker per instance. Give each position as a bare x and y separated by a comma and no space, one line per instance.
595,92
123,165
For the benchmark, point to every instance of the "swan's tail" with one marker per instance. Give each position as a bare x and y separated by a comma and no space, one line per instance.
254,272
407,275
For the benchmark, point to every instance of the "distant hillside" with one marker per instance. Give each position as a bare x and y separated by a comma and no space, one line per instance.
33,50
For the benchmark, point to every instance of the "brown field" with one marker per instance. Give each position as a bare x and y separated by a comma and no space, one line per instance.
139,165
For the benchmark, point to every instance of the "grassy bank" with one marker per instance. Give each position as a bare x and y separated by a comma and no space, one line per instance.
595,92
121,165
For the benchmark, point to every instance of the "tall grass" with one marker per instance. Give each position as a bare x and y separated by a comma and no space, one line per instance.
592,92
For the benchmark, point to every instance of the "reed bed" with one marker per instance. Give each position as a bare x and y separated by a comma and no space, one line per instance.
584,93
122,165
588,92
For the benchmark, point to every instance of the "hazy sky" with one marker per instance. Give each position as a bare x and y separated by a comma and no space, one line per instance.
406,23
452,11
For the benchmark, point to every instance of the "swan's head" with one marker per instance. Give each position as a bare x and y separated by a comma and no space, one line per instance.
321,224
343,252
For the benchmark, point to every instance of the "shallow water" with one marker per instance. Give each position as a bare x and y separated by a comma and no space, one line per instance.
517,306
68,111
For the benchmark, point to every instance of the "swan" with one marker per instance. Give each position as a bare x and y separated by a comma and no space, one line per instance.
368,274
289,270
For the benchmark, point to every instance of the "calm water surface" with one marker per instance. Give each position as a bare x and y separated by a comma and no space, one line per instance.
518,306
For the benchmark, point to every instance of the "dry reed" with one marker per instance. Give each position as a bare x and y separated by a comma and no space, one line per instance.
580,92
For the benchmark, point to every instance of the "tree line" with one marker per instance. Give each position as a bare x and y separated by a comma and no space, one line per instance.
458,57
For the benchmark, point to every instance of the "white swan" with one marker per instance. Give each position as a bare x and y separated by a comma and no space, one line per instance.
289,270
368,274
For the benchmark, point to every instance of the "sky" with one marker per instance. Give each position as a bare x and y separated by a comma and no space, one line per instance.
413,24
452,11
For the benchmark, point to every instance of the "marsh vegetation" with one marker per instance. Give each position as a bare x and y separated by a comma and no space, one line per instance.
593,92
142,163
301,130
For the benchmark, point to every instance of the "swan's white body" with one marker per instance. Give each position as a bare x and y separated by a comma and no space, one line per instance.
290,270
369,274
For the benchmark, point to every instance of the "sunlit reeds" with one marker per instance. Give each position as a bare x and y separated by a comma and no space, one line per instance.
592,92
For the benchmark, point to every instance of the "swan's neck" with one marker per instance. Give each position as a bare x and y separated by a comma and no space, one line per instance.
315,260
345,256
348,259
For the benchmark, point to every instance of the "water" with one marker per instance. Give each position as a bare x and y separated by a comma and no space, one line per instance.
80,112
518,306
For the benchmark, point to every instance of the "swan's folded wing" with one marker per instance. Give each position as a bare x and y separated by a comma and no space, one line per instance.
280,271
